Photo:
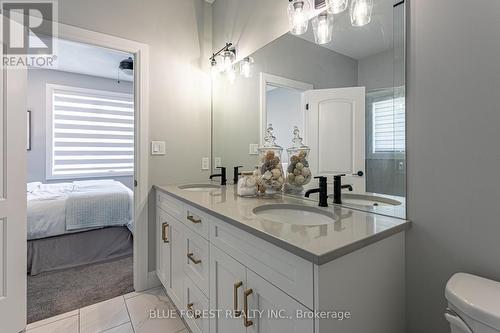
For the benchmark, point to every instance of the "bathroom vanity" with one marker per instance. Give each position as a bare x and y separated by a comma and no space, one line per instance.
281,264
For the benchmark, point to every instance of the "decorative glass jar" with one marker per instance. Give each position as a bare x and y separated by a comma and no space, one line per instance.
298,172
248,184
271,169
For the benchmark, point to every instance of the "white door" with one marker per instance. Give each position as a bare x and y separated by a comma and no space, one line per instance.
335,131
271,310
227,280
13,200
177,258
163,247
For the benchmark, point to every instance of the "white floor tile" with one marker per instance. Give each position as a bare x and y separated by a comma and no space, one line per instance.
52,319
125,328
140,306
103,316
66,325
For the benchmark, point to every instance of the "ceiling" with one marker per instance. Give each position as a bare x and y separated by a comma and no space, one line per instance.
88,59
361,42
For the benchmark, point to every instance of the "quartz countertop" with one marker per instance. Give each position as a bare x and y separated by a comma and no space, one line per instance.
319,244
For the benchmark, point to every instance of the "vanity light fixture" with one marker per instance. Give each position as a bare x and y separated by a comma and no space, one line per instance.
297,16
361,12
214,69
323,28
230,73
223,61
246,67
336,6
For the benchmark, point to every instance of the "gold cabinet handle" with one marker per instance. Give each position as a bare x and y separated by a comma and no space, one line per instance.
237,285
246,322
193,219
164,232
190,308
191,257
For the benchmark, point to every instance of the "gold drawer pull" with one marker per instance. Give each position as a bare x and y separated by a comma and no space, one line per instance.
237,285
192,219
246,322
191,257
190,308
164,232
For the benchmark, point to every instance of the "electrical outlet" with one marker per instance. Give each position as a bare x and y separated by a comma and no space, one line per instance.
217,162
253,149
205,165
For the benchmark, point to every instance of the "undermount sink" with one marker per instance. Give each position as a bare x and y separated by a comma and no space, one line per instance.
294,214
199,187
368,200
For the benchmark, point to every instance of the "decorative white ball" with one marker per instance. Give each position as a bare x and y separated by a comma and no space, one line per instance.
267,175
306,172
276,173
299,180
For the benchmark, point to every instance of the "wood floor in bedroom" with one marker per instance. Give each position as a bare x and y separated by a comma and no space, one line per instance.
124,314
54,293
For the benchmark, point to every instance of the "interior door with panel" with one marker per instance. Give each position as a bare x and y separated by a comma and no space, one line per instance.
227,281
13,85
277,310
335,131
163,247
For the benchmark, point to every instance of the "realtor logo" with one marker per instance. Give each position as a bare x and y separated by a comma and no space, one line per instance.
29,33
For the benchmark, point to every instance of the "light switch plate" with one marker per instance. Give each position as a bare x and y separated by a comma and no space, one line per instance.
217,162
157,147
205,165
252,149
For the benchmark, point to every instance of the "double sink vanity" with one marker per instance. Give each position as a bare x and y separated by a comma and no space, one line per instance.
278,264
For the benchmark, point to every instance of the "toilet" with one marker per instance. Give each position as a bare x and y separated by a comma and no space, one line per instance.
473,304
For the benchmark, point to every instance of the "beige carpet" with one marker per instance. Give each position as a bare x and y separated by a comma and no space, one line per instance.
53,293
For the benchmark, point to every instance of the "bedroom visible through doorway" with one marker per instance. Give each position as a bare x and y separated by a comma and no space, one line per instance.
81,141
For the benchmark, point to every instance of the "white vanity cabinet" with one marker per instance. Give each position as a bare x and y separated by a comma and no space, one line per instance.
246,284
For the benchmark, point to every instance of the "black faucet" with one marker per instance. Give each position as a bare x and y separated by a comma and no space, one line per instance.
337,188
323,192
237,173
222,175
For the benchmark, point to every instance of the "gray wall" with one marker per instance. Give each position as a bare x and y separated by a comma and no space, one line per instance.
37,81
453,151
236,106
284,111
453,159
179,109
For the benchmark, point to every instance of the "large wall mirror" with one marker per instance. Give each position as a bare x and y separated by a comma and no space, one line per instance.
345,96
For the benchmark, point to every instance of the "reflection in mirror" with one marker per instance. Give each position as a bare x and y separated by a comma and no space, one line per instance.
346,97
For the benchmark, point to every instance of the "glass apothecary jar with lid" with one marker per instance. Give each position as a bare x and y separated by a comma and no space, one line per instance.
271,169
298,172
248,184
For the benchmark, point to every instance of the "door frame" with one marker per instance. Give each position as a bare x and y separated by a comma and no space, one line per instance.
279,81
143,279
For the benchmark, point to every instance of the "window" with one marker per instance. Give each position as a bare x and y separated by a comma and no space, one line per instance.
389,125
90,133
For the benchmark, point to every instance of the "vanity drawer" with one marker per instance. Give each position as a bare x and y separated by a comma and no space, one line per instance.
197,221
290,273
197,261
196,303
170,205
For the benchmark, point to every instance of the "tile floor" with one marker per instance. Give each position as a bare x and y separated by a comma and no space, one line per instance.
124,314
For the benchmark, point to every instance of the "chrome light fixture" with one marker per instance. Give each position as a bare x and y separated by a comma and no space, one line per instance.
246,67
361,12
336,6
230,74
297,16
323,28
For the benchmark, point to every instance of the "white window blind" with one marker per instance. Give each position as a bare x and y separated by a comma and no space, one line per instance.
389,125
91,133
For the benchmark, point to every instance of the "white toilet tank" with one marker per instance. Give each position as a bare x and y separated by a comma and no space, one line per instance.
473,304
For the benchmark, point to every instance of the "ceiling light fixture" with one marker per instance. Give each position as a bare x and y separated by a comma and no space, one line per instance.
361,12
336,6
297,16
323,28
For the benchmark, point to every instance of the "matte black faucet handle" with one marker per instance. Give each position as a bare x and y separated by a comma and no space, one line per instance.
322,179
236,173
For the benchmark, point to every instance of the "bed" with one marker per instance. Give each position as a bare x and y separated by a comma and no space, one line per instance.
77,223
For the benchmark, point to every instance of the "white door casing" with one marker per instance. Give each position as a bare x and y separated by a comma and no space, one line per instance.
13,239
335,131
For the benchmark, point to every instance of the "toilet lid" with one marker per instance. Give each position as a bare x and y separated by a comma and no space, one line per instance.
477,297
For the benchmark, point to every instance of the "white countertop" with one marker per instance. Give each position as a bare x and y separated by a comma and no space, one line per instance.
319,244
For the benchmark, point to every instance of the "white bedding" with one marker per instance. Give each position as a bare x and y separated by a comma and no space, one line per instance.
47,205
